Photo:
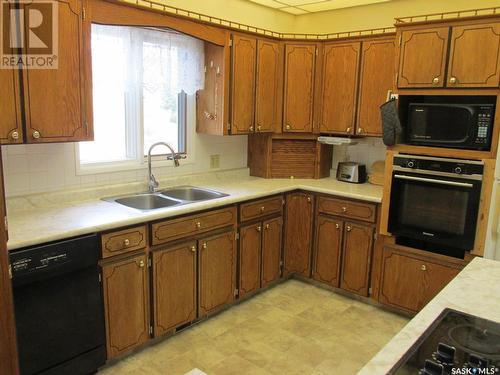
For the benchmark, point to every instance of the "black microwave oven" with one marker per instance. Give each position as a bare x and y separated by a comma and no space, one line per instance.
465,126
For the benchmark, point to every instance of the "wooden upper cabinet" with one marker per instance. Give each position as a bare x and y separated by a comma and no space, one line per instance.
11,130
174,287
58,101
474,56
300,65
339,92
298,233
422,57
356,259
328,248
250,258
271,250
268,86
126,304
217,272
375,81
243,64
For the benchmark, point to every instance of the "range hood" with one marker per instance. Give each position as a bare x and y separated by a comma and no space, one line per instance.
337,141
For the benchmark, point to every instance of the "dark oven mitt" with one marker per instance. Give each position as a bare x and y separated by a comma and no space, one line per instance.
391,126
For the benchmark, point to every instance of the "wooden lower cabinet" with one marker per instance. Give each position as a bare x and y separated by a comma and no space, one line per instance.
409,280
250,258
217,272
126,304
298,233
327,251
355,273
271,250
174,287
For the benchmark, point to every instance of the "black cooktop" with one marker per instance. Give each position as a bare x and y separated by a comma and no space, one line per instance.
456,343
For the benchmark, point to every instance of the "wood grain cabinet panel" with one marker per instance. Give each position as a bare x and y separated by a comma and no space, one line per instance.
298,233
261,208
300,65
126,301
474,56
354,210
123,241
58,101
250,259
423,55
328,249
268,86
174,286
243,64
376,79
339,93
217,272
271,250
358,240
11,130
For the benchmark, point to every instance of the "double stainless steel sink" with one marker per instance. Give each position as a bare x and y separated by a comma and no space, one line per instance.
167,198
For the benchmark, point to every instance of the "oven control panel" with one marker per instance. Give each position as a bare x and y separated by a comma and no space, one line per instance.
459,167
484,124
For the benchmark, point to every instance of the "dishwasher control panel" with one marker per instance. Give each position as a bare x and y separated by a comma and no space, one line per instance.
27,263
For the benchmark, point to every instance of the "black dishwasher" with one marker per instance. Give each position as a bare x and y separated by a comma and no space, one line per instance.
59,307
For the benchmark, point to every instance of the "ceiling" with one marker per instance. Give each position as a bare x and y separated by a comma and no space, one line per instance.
298,7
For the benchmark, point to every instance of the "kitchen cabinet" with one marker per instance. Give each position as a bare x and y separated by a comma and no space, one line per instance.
123,241
328,250
299,83
217,272
250,258
58,102
126,304
409,279
356,258
299,211
376,79
243,65
174,286
339,92
11,130
271,251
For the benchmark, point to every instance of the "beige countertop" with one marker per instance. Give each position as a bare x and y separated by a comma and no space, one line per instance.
475,291
37,223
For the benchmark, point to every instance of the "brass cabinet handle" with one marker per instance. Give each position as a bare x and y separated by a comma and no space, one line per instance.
287,127
267,226
250,128
14,135
258,128
423,267
193,249
309,200
126,242
453,80
349,228
36,134
344,209
360,130
259,228
435,80
204,245
198,224
348,130
142,264
262,209
337,226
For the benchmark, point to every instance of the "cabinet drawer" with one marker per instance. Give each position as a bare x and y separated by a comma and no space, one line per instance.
123,241
170,230
260,208
353,210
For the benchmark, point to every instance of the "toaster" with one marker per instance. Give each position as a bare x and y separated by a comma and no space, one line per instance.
351,172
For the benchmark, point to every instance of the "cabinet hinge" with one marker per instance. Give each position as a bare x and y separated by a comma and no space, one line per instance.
84,13
236,236
370,291
228,127
151,330
375,236
10,271
100,278
316,51
150,263
236,292
231,42
283,202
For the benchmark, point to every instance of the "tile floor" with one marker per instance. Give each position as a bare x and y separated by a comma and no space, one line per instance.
293,328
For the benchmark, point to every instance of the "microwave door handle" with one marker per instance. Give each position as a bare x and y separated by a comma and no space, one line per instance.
433,181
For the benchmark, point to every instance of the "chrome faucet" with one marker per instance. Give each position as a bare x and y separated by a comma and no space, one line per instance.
152,183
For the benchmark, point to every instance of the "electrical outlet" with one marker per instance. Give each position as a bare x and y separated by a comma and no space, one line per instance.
214,161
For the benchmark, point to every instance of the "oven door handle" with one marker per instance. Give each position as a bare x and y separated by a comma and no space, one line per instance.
433,181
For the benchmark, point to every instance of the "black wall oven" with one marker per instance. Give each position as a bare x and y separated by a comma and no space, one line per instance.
435,202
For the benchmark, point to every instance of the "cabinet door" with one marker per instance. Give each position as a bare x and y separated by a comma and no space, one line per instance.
436,277
422,57
10,107
125,285
356,258
268,93
250,258
340,80
298,233
300,62
217,272
474,56
376,79
328,245
174,287
243,57
57,104
271,250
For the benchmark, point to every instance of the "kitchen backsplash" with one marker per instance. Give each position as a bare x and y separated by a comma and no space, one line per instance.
366,151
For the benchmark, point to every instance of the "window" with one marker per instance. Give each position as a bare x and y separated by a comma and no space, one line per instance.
141,81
